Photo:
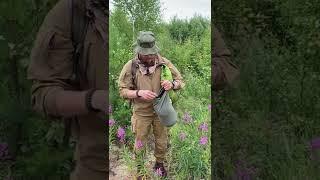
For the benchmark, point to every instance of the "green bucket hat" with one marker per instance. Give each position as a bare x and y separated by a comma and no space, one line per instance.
146,43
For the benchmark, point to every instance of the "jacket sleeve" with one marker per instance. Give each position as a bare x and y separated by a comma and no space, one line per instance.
125,80
224,71
51,67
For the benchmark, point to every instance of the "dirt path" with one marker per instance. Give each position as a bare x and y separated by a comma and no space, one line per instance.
118,168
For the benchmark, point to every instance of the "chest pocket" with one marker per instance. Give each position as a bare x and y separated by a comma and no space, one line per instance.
94,64
149,82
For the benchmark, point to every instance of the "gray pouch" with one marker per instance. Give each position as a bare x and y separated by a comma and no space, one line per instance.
164,109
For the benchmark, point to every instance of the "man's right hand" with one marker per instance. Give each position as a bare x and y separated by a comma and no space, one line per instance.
147,95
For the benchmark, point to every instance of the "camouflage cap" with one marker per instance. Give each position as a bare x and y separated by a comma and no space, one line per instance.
146,43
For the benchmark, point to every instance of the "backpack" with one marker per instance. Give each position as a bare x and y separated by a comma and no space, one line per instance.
79,26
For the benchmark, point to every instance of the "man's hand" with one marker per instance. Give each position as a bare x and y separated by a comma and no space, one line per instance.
99,100
147,95
167,85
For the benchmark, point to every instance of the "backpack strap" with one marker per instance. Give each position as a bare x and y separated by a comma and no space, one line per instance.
79,26
161,61
134,67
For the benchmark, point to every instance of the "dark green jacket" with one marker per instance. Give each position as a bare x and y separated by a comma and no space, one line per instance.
51,70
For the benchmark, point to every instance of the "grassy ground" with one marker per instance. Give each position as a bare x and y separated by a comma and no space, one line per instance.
187,157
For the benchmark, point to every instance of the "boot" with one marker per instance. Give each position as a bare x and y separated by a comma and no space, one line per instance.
140,178
160,170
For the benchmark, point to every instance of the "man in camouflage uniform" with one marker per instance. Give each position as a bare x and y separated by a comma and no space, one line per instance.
143,90
224,71
55,91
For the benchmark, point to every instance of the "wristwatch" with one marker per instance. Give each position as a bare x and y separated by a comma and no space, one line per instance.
137,93
88,99
173,84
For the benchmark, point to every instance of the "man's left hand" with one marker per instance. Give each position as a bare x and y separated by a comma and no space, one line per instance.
167,85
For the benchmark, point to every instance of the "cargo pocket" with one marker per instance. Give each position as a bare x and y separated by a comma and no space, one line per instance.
51,56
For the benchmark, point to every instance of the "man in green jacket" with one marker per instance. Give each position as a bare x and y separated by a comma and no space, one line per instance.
64,88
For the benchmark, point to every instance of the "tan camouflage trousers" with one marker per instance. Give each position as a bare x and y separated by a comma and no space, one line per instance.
141,126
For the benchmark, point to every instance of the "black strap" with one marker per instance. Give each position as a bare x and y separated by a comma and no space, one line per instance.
134,67
79,26
161,92
88,98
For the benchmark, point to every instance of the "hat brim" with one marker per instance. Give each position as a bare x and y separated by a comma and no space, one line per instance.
146,51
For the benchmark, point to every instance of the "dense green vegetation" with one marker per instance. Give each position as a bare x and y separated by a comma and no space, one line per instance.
263,128
35,145
187,44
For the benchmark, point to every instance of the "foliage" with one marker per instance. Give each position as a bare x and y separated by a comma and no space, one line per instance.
35,147
142,14
269,119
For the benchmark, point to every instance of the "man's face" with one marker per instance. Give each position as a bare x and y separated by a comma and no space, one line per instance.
148,60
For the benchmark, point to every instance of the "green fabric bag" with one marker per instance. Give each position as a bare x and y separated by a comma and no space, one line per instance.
164,109
167,75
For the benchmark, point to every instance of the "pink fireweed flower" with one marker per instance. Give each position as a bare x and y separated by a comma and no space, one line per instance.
159,172
182,136
111,122
315,144
187,118
139,144
203,127
209,107
203,140
121,133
